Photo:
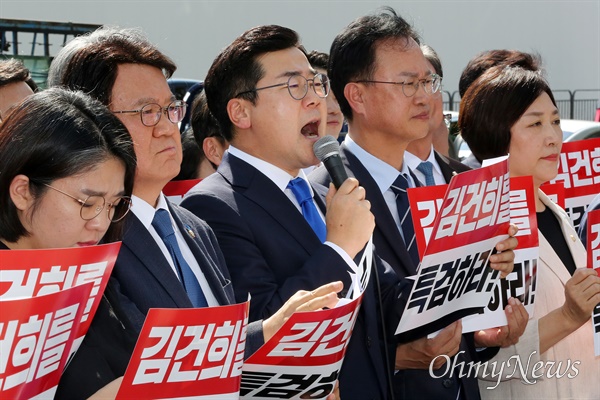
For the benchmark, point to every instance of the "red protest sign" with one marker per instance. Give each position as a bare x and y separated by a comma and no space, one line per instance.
555,191
30,273
175,190
579,171
454,278
35,337
593,240
303,359
195,352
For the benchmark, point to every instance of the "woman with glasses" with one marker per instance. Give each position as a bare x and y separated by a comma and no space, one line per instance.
66,173
511,110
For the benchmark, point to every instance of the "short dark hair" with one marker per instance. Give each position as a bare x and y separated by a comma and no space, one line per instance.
237,69
13,70
192,157
318,59
491,58
494,103
352,55
204,124
52,135
433,58
92,66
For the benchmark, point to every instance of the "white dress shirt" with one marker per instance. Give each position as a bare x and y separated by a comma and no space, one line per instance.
383,174
413,162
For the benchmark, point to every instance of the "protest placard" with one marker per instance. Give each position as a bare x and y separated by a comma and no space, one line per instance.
579,170
555,192
593,250
175,190
521,282
35,337
194,353
454,278
303,359
30,273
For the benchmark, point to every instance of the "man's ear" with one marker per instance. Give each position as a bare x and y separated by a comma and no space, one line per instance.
239,113
353,92
212,150
20,193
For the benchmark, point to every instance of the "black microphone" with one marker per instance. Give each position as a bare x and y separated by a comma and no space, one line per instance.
327,149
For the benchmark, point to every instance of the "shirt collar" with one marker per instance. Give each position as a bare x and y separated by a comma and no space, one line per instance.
144,211
382,173
279,177
413,161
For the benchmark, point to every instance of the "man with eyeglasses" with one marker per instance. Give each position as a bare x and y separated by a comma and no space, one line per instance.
169,258
385,89
422,156
275,234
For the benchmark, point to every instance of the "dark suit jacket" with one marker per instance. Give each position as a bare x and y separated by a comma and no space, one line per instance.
408,384
147,279
272,252
449,166
142,279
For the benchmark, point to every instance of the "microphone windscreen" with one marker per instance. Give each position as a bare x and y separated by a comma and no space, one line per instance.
326,147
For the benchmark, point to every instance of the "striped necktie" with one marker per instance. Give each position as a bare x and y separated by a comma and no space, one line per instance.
408,231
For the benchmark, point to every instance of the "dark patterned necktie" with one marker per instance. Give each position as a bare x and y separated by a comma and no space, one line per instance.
426,168
399,188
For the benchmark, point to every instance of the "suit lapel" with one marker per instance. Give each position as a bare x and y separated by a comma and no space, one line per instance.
383,217
142,245
215,280
549,257
447,172
256,187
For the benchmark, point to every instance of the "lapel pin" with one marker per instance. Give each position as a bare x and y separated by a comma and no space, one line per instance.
190,232
573,237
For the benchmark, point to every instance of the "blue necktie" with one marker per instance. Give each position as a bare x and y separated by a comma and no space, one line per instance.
399,188
426,168
162,224
301,191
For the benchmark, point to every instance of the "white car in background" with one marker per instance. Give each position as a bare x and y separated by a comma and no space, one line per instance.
572,130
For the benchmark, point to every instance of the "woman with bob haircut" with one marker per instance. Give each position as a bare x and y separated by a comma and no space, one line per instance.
511,110
66,173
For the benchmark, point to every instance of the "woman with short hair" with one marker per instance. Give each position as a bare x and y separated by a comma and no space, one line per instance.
511,110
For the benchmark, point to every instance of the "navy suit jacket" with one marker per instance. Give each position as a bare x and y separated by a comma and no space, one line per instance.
272,252
449,166
142,279
390,247
148,280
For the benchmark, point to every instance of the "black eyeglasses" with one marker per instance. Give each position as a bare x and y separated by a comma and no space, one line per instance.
430,86
151,113
93,205
297,86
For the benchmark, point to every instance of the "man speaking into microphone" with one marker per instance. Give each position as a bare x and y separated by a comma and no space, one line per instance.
277,237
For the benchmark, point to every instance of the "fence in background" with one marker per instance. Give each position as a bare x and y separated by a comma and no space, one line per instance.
576,104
